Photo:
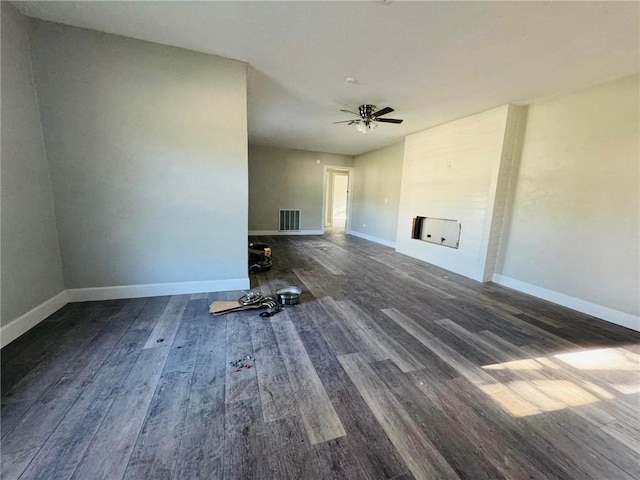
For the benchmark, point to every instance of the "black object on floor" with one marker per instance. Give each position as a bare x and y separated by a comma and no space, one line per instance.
259,257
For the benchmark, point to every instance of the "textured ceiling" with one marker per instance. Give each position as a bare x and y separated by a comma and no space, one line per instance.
431,61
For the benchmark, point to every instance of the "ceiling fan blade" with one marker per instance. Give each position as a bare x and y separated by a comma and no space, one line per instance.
348,111
344,121
388,120
384,111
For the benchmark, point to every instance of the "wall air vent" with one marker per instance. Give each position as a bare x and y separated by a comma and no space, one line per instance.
288,220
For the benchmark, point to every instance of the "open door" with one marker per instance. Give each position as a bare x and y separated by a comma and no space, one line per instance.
336,198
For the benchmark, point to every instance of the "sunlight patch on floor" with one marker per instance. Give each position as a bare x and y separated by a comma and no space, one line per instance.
528,364
627,389
510,402
597,390
523,398
533,391
567,392
600,359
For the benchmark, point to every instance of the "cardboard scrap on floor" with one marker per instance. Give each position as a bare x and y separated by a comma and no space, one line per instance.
222,307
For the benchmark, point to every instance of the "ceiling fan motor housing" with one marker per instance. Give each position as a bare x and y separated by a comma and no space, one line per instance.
367,111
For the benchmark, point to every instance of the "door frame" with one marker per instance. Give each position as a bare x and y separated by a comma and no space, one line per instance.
328,169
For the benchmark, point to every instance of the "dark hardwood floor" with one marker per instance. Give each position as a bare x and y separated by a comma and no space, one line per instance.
388,369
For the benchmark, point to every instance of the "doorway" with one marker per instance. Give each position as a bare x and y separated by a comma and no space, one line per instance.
337,199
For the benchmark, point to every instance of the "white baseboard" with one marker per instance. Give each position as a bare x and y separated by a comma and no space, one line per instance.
26,322
155,289
609,314
371,238
257,233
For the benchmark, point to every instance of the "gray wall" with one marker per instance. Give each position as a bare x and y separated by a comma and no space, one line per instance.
283,178
147,147
31,266
574,223
378,176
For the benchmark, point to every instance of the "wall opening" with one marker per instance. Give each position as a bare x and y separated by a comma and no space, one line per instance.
440,231
336,197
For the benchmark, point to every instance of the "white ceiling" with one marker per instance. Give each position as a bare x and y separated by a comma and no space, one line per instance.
431,61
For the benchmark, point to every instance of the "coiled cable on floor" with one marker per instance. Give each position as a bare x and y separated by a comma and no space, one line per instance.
251,298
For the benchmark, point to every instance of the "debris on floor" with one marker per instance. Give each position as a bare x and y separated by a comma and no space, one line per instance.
271,310
259,257
252,298
243,363
249,301
289,295
221,307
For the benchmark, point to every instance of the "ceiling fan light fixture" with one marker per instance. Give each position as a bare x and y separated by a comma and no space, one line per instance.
366,126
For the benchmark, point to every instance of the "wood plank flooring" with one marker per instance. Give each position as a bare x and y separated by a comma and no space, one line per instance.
389,368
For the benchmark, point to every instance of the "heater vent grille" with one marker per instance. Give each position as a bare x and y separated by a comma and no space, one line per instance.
289,220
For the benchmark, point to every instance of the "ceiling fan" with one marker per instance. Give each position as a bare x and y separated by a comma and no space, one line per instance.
369,117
